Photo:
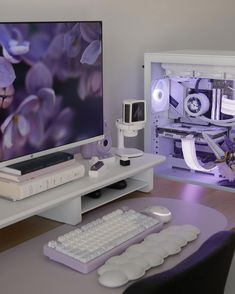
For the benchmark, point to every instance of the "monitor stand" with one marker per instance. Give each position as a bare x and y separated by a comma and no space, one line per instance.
38,163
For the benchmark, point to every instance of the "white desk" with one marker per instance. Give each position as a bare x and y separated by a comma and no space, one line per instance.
24,269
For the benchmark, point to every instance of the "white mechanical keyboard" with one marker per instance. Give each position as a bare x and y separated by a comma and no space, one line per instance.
88,247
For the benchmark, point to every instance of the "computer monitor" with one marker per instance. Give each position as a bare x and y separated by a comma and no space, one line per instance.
51,87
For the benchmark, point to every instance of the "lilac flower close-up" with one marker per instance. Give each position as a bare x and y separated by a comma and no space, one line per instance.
58,133
39,76
28,120
49,75
7,73
38,44
90,31
7,77
91,53
90,85
72,41
13,44
15,129
6,96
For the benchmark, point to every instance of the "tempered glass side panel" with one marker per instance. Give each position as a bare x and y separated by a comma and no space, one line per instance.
187,104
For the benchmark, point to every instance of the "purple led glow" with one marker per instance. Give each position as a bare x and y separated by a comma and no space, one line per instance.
191,193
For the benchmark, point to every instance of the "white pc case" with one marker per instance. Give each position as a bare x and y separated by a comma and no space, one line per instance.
190,100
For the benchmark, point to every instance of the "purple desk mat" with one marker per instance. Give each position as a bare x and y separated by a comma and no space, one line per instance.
25,270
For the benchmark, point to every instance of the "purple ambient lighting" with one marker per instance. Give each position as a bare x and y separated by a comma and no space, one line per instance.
191,193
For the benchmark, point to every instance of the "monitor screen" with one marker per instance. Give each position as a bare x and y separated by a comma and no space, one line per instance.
51,87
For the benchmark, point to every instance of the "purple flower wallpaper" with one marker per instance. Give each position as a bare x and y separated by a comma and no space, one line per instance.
51,87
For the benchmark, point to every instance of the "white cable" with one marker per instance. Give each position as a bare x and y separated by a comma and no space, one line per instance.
227,110
213,105
189,153
222,123
218,104
227,101
227,106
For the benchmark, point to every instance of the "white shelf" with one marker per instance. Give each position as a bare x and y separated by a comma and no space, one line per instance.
54,202
109,195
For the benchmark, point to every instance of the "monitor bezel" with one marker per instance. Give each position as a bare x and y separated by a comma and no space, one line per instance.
70,145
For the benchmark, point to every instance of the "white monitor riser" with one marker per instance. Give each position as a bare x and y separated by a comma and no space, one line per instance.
68,202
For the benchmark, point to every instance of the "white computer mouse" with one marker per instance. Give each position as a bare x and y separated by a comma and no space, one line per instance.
160,212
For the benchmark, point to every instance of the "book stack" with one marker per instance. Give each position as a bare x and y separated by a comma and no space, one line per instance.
31,177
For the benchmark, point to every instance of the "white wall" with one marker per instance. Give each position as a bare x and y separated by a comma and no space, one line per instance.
132,27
